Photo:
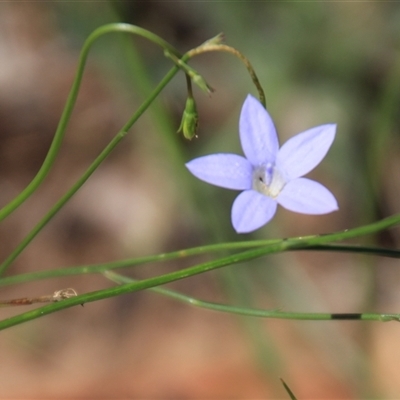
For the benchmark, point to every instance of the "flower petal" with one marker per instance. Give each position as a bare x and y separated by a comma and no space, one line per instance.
251,210
303,152
305,196
257,133
229,171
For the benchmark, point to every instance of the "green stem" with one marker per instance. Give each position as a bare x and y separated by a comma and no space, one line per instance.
287,388
100,268
252,312
129,263
70,103
103,155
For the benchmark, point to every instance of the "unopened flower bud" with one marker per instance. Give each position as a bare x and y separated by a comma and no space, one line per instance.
190,119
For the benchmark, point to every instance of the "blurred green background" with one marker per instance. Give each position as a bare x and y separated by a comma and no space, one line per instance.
318,62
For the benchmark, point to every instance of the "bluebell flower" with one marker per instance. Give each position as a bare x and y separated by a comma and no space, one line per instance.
269,175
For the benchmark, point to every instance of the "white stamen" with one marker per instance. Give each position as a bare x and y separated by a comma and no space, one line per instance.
267,180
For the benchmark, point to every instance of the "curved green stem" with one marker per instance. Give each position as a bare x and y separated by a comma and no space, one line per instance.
215,46
60,132
252,312
103,155
70,103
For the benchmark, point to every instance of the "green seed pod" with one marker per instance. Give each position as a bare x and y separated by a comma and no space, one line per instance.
190,120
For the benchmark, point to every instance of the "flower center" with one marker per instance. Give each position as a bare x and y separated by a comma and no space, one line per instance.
267,180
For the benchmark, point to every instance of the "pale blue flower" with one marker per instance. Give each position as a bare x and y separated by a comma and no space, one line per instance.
269,175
